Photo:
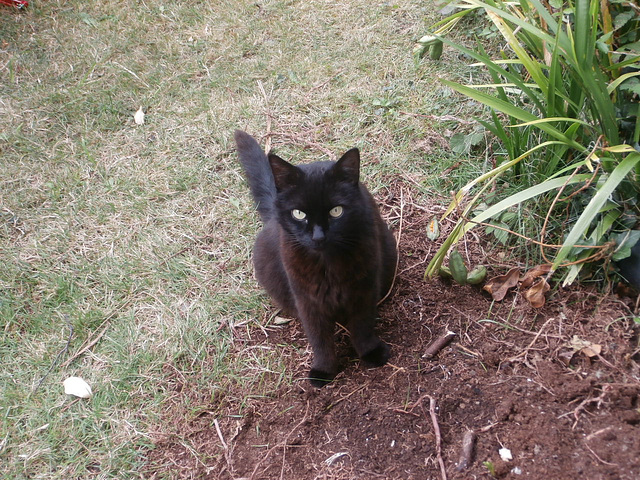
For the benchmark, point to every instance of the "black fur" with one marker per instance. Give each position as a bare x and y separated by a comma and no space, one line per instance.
322,268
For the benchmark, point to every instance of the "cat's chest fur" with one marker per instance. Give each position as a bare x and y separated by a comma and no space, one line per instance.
330,280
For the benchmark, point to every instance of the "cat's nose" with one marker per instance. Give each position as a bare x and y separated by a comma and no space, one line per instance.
317,235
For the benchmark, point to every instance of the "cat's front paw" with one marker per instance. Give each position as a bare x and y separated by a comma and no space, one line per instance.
377,356
319,378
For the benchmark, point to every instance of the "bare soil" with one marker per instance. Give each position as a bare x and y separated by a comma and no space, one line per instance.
518,377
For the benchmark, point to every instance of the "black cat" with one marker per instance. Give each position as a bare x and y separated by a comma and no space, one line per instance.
324,255
630,267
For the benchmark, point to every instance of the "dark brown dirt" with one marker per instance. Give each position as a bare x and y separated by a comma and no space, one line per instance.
514,375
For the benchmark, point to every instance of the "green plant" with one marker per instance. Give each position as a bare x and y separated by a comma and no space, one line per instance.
459,272
563,106
490,467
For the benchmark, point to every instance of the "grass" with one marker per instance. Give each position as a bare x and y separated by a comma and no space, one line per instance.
139,237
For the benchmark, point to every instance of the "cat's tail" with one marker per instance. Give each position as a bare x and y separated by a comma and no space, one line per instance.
258,173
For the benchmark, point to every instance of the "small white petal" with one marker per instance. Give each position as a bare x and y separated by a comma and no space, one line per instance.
281,320
77,387
139,117
505,454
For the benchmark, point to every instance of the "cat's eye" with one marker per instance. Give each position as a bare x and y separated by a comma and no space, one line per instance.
336,212
298,214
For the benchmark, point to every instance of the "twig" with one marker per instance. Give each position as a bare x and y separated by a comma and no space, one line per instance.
267,143
486,428
599,400
215,423
597,457
395,273
421,262
466,455
60,353
283,444
298,141
599,432
436,429
449,169
441,342
344,398
535,339
133,74
529,239
469,351
105,324
227,452
92,342
320,85
68,405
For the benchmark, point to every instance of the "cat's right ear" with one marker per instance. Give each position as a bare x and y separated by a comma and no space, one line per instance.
284,174
348,167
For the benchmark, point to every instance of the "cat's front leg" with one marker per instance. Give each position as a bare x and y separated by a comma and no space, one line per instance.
320,333
367,344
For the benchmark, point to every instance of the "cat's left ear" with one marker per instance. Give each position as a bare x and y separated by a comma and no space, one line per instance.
349,166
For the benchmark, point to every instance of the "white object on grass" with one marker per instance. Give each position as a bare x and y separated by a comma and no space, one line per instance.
77,387
139,117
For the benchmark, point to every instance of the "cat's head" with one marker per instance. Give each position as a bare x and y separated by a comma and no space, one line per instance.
321,205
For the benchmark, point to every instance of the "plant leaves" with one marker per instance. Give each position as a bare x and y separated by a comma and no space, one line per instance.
535,295
534,273
435,52
512,110
477,275
500,285
624,243
626,79
445,273
623,18
463,227
457,267
433,229
501,234
594,206
462,143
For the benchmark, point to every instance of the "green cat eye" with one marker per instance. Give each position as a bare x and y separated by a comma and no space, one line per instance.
336,212
298,214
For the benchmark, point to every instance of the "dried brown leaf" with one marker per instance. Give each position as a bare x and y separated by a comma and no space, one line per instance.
281,320
534,273
585,347
498,286
592,350
535,295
